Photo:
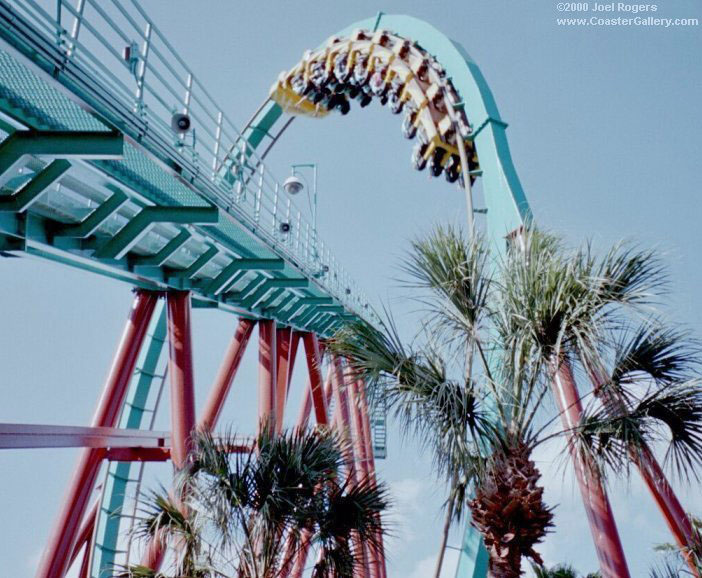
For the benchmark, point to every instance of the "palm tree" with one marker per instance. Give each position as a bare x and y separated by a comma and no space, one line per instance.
581,311
238,511
474,385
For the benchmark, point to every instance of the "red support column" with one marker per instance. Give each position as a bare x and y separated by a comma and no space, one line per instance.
58,552
359,439
377,556
312,353
180,371
674,514
353,405
266,373
227,372
597,507
342,408
286,349
85,533
303,416
300,560
85,563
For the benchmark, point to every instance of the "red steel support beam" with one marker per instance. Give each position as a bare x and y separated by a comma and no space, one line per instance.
314,360
85,563
597,507
359,443
225,377
180,371
303,416
360,435
325,393
85,534
286,350
294,346
655,479
377,557
30,436
313,351
352,433
62,539
341,397
267,382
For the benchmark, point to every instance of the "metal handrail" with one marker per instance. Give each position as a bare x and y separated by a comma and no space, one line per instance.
145,82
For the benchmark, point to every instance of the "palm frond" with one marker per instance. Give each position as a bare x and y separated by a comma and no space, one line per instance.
667,414
665,569
663,353
353,508
162,513
679,408
454,271
372,352
627,275
559,571
138,571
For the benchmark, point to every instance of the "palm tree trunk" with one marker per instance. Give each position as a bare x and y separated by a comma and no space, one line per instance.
675,516
444,539
597,507
498,569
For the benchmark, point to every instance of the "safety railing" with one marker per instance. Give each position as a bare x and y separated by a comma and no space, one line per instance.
123,52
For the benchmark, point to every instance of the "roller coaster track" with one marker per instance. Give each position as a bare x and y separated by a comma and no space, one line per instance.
93,175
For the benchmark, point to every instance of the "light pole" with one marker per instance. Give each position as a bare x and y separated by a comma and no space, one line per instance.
294,185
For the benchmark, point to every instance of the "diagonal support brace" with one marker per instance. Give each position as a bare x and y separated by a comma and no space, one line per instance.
273,284
197,265
92,222
29,193
159,258
59,144
227,274
134,230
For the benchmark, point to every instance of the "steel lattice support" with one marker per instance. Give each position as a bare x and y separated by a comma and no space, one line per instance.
277,351
62,540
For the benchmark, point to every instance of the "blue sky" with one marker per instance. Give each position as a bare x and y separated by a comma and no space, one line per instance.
604,128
